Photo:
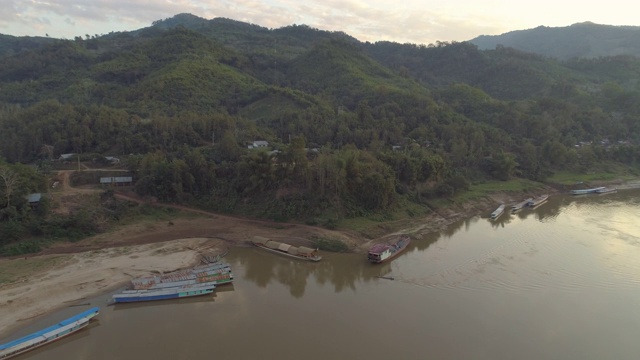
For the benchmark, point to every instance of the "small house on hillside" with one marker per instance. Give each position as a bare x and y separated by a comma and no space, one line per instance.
66,157
258,144
117,180
112,160
34,199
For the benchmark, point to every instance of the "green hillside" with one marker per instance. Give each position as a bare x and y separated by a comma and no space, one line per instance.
353,129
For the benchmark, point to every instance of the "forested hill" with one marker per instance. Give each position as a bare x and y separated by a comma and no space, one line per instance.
582,40
352,128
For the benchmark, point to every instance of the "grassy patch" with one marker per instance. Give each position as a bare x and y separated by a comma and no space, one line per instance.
602,173
374,224
482,190
328,244
16,269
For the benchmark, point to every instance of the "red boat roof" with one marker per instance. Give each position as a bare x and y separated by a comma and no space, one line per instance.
379,248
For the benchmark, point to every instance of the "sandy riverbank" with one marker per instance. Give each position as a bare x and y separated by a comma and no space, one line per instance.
64,280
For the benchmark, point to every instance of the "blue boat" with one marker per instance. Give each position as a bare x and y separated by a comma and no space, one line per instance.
48,335
164,293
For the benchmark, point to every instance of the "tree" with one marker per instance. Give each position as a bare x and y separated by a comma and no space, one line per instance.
10,181
503,165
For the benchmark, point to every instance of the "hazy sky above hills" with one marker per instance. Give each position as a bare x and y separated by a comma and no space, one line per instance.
413,21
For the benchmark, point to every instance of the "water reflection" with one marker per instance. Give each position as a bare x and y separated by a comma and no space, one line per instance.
556,282
341,271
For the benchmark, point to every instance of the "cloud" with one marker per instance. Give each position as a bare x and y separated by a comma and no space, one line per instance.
415,21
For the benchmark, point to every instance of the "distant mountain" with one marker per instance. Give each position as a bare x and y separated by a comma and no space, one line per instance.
10,45
582,40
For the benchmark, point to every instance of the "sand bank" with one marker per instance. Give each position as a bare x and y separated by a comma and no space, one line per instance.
65,280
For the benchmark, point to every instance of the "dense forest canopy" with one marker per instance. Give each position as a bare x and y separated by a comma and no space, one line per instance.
351,127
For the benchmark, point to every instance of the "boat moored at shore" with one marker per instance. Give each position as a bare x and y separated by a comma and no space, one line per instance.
48,335
538,201
587,191
497,212
218,273
606,190
520,205
383,252
298,252
164,293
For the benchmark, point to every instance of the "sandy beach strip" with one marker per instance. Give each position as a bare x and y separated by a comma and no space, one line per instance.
52,282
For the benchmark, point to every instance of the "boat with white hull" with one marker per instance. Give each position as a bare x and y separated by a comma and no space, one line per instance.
520,205
497,212
384,252
538,201
606,190
587,191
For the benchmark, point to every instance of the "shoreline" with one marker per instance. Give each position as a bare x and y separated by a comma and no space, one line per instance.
73,278
68,273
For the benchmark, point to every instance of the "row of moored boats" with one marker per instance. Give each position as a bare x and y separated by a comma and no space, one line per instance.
377,253
199,280
530,202
534,202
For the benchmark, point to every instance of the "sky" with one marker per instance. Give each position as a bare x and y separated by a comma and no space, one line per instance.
404,21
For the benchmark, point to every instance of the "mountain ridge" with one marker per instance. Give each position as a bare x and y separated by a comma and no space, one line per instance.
579,40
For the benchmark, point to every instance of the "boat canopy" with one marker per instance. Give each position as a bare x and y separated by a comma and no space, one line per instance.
293,250
260,240
305,250
273,244
283,247
378,248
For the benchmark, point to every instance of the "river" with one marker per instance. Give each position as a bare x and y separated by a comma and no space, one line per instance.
561,281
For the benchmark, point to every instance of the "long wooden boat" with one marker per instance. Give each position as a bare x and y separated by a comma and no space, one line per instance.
219,272
383,252
520,205
497,212
48,335
298,252
219,278
586,191
606,190
538,201
163,294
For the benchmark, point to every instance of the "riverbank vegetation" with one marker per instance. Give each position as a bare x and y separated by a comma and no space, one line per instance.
298,124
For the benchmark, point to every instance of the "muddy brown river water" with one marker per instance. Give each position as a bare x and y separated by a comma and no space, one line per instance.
561,281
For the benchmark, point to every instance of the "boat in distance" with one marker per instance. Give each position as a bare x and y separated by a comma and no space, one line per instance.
48,335
520,205
219,273
497,212
606,190
383,252
587,191
538,201
164,293
298,252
